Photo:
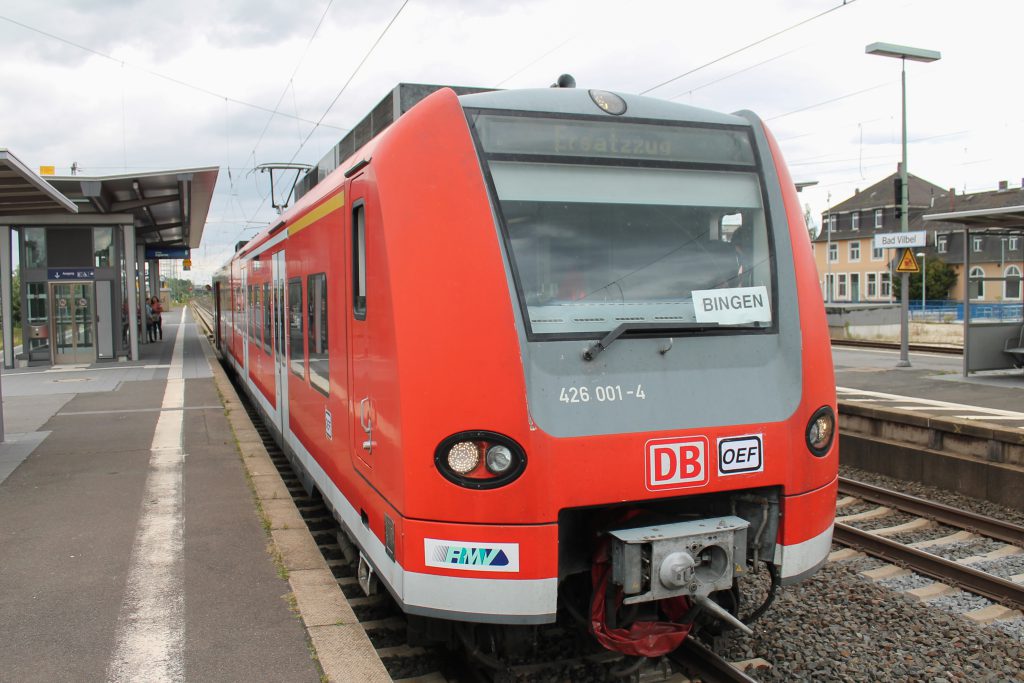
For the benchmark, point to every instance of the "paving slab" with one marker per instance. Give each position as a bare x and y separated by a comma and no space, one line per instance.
70,515
341,648
318,597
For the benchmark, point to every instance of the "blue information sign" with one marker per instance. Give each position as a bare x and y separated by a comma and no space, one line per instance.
166,252
71,273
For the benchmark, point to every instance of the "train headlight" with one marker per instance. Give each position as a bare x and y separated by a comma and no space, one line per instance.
479,459
821,431
499,459
463,457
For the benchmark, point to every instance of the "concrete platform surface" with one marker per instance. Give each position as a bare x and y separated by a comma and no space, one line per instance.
130,545
934,385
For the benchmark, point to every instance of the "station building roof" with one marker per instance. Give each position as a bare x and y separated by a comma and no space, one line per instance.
168,208
1003,217
23,192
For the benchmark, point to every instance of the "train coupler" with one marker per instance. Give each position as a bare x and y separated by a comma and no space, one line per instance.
693,558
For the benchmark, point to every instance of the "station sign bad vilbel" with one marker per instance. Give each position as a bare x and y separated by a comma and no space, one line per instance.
900,240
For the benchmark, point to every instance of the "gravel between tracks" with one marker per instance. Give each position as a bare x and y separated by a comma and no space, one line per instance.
839,626
957,500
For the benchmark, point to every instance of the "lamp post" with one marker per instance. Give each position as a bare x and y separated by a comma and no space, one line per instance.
924,280
828,252
903,53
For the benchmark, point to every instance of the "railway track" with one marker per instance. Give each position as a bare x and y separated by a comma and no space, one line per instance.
930,564
917,348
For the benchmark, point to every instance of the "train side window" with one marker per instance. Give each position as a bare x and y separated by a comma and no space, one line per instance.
268,326
319,355
252,312
297,349
257,316
359,261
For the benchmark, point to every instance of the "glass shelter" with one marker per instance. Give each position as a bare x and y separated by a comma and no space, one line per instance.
86,252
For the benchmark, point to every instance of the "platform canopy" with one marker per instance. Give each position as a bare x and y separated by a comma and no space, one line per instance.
22,192
1006,217
169,207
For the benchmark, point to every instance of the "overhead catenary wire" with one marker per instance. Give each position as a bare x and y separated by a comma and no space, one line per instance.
291,79
538,59
694,70
284,91
828,101
350,78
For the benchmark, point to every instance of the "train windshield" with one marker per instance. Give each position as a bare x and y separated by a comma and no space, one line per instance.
611,223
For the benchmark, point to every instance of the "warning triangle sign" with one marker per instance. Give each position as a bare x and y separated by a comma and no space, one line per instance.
908,264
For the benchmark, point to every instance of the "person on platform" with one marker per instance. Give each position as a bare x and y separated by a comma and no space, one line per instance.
158,319
149,320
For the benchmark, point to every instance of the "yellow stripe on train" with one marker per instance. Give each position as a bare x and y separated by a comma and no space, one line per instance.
331,205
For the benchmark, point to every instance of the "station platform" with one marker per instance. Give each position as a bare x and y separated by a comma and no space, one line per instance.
933,385
130,544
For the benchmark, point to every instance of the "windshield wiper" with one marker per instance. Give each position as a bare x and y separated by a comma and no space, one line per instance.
687,327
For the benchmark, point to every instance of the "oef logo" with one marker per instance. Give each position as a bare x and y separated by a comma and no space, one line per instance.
674,463
740,455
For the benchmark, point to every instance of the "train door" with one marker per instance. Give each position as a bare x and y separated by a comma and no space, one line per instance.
278,288
218,316
361,403
247,313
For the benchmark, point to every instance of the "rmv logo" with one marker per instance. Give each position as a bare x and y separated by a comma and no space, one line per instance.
480,557
489,557
675,463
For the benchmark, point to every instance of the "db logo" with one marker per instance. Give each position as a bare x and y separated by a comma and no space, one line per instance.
674,464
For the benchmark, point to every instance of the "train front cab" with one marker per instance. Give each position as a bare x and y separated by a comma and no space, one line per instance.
567,226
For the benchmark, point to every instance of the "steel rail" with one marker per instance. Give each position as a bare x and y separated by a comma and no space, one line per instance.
697,659
918,348
944,514
947,571
204,315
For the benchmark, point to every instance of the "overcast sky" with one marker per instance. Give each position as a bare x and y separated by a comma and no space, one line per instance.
191,83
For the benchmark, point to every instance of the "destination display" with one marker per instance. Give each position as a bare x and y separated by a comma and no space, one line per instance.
166,253
613,139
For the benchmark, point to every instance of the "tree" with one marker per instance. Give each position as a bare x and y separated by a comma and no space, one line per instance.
940,277
181,290
16,299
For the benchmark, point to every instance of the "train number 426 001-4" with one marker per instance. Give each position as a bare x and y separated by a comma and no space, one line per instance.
604,393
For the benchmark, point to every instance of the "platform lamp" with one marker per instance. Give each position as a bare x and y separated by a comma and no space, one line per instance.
903,53
924,280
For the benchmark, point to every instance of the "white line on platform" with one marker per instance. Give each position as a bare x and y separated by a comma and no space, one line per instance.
929,408
855,394
151,625
63,370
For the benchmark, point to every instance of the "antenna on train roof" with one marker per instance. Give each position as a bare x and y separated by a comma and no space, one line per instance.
299,169
564,81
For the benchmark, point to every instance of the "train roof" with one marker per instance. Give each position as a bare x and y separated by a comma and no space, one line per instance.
585,102
571,101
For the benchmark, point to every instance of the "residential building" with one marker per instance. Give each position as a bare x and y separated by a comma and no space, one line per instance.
996,257
851,269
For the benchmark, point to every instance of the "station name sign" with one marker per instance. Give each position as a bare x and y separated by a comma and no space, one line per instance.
70,273
899,240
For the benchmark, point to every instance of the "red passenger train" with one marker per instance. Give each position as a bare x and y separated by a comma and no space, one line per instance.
550,352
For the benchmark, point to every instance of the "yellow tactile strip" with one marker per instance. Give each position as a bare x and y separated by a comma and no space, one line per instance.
342,647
